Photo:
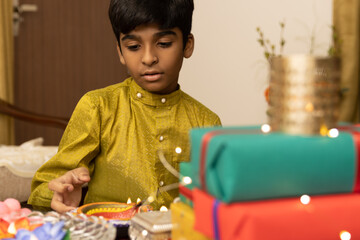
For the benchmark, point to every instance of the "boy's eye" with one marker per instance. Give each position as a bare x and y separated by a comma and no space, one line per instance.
133,47
165,44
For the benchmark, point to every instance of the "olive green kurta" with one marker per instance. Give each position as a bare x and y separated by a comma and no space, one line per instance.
116,132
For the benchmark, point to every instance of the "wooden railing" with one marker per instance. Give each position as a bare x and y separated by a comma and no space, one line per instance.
18,113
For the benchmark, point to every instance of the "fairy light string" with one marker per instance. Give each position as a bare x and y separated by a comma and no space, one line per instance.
184,180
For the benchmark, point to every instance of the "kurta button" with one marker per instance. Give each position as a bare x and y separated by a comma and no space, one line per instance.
139,95
161,183
161,138
163,100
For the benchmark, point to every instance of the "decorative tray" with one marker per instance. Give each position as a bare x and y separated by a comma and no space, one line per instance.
119,214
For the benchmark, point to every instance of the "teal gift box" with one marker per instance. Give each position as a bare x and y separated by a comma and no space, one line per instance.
244,164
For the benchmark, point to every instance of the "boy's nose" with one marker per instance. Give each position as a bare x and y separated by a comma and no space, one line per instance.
149,57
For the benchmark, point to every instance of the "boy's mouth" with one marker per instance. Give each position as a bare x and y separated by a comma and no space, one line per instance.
151,76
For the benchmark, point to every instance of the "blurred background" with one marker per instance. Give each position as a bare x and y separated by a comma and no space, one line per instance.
228,71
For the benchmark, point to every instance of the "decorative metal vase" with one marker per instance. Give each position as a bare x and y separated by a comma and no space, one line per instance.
304,94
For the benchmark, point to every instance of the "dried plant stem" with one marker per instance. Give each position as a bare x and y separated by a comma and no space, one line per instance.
269,48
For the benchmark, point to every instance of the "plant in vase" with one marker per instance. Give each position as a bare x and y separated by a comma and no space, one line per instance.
270,48
304,90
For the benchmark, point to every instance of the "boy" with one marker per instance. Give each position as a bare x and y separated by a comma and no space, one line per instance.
114,133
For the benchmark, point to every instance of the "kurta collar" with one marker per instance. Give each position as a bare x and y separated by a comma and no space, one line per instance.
156,100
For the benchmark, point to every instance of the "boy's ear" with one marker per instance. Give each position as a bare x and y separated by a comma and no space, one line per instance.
121,57
189,48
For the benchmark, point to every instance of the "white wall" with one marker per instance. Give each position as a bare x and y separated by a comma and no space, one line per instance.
227,71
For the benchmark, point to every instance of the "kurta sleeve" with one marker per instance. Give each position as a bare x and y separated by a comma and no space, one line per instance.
210,119
78,147
217,121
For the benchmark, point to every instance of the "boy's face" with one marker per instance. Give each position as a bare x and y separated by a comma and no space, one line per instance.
154,56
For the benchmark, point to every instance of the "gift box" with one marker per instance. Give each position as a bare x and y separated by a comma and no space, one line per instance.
243,163
183,219
185,192
325,217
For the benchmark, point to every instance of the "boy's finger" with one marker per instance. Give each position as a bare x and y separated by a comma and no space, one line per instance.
60,207
80,175
59,187
57,203
78,180
84,177
81,171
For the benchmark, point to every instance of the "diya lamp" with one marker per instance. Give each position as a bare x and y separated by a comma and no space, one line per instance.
114,210
125,211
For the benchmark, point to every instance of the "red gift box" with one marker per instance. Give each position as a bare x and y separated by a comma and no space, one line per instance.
325,217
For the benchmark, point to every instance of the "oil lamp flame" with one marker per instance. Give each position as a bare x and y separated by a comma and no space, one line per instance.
163,209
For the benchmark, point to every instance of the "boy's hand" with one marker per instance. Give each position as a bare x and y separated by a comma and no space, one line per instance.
68,189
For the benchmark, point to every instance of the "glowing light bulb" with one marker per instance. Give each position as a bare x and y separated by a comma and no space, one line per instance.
187,180
150,199
333,133
138,200
305,199
345,235
178,150
265,128
309,107
144,233
128,201
323,130
163,209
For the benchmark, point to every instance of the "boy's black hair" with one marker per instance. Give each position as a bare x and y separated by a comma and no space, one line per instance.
126,15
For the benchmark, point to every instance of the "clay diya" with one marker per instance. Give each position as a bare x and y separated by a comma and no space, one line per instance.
113,210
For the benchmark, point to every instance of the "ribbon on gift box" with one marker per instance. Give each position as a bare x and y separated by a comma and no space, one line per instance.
325,217
355,130
242,164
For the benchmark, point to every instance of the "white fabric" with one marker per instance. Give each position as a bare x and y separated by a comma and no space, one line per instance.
25,159
18,165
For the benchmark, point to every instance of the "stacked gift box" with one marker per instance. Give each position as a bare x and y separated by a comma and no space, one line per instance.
247,184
